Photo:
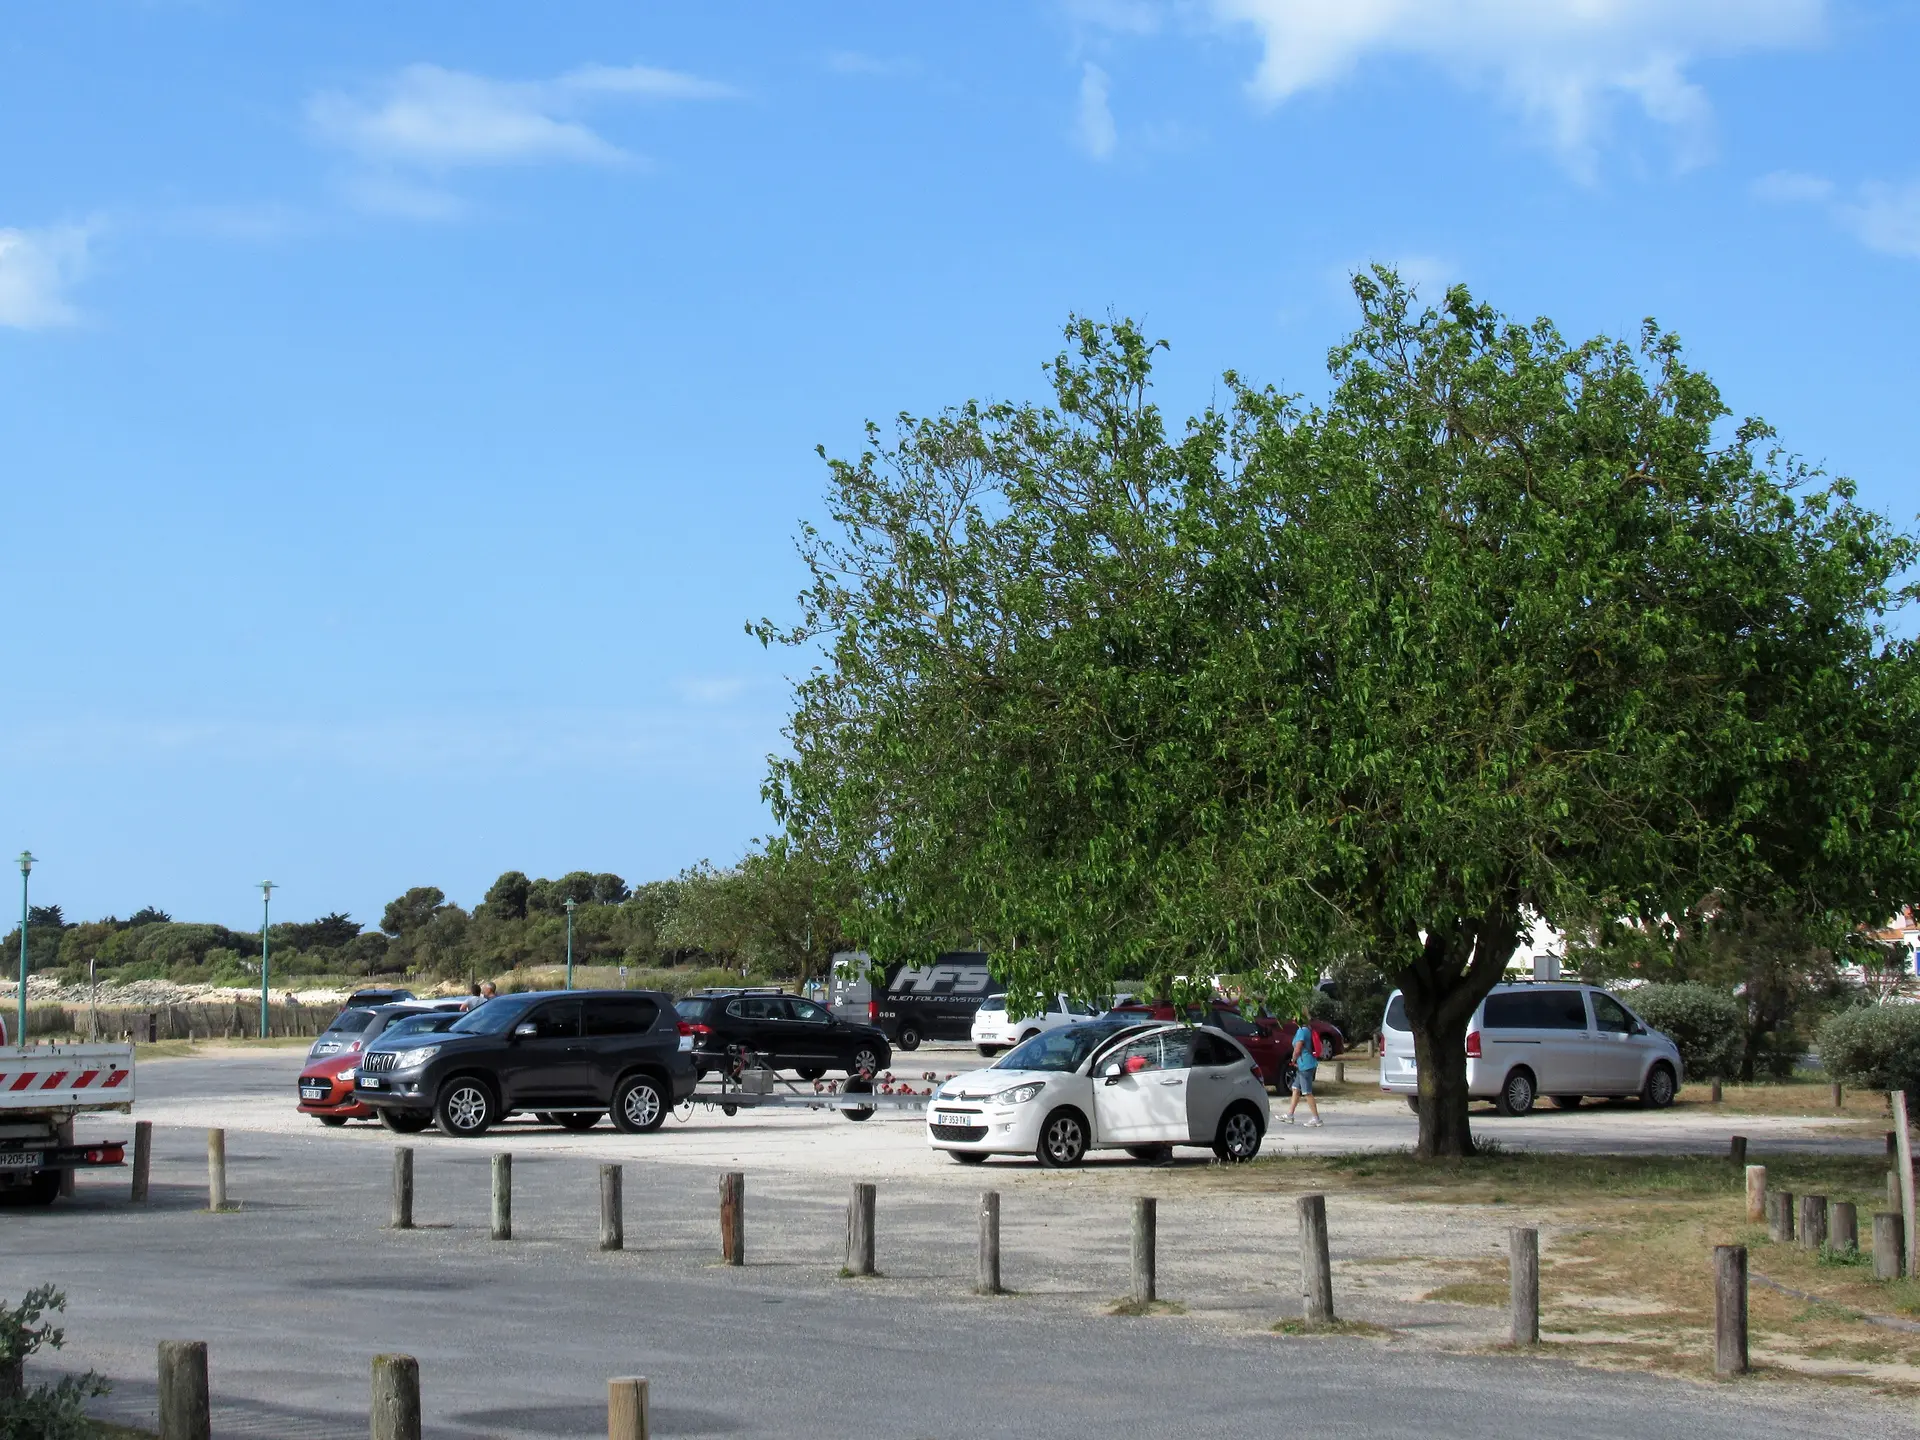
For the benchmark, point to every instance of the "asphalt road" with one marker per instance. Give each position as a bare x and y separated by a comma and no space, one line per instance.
303,1284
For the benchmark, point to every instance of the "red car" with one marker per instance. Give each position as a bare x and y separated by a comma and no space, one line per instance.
1268,1040
326,1084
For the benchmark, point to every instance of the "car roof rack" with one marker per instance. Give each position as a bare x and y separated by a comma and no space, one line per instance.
739,990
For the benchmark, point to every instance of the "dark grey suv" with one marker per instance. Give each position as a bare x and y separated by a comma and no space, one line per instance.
574,1055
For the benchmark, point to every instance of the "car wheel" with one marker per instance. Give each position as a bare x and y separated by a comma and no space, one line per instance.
988,1051
909,1037
1413,1103
1516,1096
1150,1154
42,1188
859,1086
405,1122
864,1063
1063,1140
1657,1093
465,1108
1567,1102
638,1105
810,1072
969,1157
1238,1140
578,1120
333,1122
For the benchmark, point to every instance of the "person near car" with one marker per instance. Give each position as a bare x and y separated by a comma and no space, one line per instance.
487,992
1304,1064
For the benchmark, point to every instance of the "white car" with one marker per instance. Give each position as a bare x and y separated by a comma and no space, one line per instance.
1106,1085
1561,1040
994,1029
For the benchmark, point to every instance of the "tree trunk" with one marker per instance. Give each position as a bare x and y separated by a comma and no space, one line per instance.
1440,1050
1460,961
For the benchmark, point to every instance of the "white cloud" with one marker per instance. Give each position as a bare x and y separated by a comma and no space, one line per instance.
429,120
1093,127
1882,216
37,267
1559,60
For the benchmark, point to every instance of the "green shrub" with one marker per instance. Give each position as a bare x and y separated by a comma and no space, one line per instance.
1704,1021
45,1412
1874,1047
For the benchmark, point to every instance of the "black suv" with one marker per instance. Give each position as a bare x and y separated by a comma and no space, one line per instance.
573,1054
792,1033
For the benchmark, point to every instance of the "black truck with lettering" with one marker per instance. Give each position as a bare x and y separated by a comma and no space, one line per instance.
913,1001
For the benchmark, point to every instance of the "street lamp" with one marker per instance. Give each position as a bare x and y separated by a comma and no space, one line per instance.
266,909
26,865
569,944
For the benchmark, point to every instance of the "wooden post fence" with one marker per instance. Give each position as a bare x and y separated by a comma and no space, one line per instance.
396,1398
142,1159
216,1170
1756,1194
184,1410
733,1218
1903,1143
1889,1260
627,1409
1316,1266
989,1279
1144,1235
402,1216
1843,1227
860,1229
613,1222
1730,1310
1523,1283
1780,1216
1812,1230
500,1225
1737,1150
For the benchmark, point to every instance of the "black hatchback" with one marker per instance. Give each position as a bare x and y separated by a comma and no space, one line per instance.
575,1055
789,1032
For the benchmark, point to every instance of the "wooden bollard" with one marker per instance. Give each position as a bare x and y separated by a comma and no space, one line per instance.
216,1169
1316,1266
1713,1093
989,1281
500,1226
1838,1095
1339,1072
733,1218
1843,1227
1729,1309
627,1409
1780,1216
142,1158
1811,1233
1523,1283
1756,1194
184,1411
1144,1235
1888,1235
613,1222
402,1216
1737,1150
396,1398
860,1229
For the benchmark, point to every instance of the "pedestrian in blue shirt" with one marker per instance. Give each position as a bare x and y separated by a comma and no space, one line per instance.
1305,1062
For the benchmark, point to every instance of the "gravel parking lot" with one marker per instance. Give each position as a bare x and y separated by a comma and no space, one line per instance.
299,1287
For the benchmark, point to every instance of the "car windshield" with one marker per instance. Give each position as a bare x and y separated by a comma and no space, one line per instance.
350,1022
693,1010
493,1017
1065,1049
419,1024
994,1002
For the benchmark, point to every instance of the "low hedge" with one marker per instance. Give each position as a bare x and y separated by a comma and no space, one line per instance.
1874,1047
1706,1022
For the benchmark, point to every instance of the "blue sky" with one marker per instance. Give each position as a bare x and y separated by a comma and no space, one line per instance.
404,407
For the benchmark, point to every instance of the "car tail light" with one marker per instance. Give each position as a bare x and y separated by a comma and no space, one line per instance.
685,1028
1473,1044
873,1012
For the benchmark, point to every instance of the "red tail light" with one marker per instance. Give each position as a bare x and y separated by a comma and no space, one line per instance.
685,1029
1473,1044
873,1012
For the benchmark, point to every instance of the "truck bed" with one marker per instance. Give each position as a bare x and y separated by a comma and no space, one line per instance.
65,1078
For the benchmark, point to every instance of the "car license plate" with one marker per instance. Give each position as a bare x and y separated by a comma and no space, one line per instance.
313,1092
948,1117
20,1159
368,1082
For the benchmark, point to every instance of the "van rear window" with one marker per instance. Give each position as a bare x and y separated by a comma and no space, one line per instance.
350,1022
1536,1010
1396,1014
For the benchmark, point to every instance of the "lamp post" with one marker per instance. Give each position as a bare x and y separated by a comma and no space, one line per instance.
26,865
267,888
569,942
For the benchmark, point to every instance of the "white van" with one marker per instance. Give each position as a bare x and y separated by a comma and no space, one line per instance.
1563,1041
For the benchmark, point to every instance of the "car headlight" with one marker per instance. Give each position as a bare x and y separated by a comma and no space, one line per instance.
1020,1094
347,1075
415,1058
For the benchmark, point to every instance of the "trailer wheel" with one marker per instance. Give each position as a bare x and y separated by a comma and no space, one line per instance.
42,1189
859,1087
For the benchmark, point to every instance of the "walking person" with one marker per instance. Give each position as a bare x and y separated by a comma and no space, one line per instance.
1305,1062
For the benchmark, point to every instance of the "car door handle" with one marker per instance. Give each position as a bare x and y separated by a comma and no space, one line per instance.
1173,1082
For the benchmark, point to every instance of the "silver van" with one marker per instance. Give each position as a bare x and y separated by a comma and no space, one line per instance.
1564,1041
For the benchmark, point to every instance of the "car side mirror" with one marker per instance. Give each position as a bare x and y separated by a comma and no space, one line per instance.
1638,1028
1112,1072
527,1028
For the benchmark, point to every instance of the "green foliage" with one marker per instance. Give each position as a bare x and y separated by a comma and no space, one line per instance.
1874,1047
1508,626
44,1412
413,910
506,898
329,932
771,914
1705,1021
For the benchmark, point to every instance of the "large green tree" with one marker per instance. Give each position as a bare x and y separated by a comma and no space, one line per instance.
1506,626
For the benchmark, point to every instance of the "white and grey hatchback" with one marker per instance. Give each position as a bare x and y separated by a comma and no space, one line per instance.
1559,1040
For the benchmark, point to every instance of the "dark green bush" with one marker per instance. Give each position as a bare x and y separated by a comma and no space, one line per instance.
1874,1047
1703,1020
45,1412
